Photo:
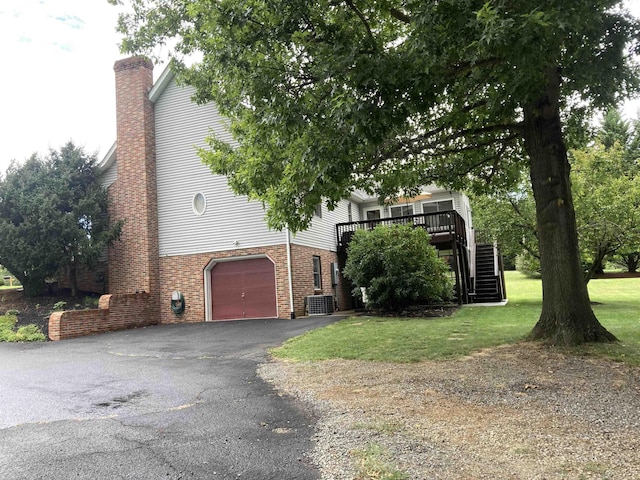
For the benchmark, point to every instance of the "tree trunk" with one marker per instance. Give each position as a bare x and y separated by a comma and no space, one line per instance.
566,318
596,265
73,280
631,261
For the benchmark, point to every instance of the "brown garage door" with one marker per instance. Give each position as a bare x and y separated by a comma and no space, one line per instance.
243,289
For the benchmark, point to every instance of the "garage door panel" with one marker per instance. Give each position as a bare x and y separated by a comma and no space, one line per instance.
243,289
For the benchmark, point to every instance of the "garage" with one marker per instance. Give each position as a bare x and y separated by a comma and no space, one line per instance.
243,289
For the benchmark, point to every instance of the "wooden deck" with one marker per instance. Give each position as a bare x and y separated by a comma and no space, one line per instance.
444,227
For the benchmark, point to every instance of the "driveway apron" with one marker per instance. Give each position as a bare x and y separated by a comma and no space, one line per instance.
171,402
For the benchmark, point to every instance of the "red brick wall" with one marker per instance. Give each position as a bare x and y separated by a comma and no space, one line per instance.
134,260
115,312
94,281
186,274
302,266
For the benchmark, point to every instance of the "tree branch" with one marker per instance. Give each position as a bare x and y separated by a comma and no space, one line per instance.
364,21
398,15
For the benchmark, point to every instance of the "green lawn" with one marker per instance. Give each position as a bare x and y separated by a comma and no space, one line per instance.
471,328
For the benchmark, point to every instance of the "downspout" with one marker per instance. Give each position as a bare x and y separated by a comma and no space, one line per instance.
293,312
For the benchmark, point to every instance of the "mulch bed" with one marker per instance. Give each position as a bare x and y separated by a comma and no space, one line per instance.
36,310
417,311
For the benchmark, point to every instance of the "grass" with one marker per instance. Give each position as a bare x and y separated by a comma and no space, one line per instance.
373,463
471,328
27,333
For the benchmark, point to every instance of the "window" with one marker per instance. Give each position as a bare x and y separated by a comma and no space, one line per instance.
199,203
373,214
317,273
401,210
435,207
438,222
349,212
318,212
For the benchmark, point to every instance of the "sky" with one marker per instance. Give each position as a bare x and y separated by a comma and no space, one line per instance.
57,79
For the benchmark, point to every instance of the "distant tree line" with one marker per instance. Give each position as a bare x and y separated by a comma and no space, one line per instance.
605,178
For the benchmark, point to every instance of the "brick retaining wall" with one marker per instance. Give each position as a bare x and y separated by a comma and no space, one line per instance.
114,312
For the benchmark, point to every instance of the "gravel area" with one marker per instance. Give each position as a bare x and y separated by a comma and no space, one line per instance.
522,411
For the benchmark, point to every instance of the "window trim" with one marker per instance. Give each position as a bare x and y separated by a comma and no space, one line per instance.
196,211
437,203
317,273
401,207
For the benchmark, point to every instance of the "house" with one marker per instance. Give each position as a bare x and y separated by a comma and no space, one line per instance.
188,237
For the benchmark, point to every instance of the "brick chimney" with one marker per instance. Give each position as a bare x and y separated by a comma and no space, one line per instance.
134,260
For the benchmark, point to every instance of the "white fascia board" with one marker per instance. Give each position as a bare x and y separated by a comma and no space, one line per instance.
163,80
108,159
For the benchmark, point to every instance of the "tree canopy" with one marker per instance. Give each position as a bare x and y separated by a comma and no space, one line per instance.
330,96
607,192
606,187
53,217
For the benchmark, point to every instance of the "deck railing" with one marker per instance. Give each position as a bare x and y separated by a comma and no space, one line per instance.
447,225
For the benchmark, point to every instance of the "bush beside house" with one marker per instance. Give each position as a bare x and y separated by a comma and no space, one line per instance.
398,267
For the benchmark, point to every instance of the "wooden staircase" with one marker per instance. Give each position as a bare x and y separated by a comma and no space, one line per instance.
489,286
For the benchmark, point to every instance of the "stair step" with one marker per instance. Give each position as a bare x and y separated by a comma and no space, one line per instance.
486,280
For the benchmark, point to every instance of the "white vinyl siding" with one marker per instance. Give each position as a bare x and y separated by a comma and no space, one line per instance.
229,221
322,232
109,175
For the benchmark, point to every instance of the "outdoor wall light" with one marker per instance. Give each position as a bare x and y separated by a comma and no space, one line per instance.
177,302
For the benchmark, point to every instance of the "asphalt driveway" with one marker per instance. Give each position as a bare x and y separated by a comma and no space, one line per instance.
170,402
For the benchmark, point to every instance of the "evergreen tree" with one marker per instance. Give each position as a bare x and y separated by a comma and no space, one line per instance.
53,218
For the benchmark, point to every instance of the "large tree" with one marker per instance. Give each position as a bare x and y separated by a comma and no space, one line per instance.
607,197
53,217
508,218
606,189
328,96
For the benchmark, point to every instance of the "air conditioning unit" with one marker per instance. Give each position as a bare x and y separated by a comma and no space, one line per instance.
319,304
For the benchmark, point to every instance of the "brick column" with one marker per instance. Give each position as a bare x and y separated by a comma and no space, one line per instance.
134,260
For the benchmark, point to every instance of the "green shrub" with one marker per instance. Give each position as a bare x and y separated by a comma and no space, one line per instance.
13,312
528,265
91,302
6,327
58,306
398,267
28,333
